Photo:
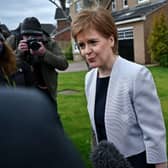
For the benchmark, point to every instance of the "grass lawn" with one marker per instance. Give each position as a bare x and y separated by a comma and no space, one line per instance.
73,112
160,76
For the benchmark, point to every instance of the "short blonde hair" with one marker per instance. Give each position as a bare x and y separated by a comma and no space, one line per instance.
99,19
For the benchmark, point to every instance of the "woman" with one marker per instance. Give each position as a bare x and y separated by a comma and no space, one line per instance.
9,74
122,100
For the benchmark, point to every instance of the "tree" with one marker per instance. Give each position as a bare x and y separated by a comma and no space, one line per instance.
57,3
158,40
63,4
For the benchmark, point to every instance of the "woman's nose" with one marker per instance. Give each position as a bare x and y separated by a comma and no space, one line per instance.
87,49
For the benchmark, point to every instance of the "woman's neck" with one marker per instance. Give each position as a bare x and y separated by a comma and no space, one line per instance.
105,70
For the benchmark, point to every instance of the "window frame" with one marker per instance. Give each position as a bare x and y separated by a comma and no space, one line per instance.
125,33
142,1
125,6
113,5
78,6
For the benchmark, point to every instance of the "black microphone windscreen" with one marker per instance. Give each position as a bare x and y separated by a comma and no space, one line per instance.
106,155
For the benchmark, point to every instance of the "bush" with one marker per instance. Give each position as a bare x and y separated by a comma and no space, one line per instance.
158,40
68,52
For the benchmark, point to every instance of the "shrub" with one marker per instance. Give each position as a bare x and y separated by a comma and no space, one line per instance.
158,40
68,52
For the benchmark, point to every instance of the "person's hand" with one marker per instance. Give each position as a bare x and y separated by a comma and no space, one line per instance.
40,52
23,46
161,165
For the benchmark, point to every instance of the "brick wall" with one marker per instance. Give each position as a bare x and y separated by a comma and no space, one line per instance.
63,38
62,24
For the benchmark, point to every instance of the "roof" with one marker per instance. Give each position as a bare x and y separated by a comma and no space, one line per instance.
55,33
60,14
137,12
4,27
49,28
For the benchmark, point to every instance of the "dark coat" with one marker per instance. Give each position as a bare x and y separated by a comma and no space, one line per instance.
22,77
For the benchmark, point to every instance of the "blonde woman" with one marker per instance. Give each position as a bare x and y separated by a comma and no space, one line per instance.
122,100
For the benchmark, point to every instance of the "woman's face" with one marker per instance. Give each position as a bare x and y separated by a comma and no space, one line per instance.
96,49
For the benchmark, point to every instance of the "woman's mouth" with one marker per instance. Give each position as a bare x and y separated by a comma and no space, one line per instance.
91,60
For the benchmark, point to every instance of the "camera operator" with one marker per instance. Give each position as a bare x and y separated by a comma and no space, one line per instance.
41,53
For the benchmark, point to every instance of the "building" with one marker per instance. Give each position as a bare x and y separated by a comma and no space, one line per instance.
48,28
134,20
62,33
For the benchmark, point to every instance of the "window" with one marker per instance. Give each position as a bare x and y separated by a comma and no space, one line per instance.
78,6
142,1
113,4
69,2
126,33
75,47
125,3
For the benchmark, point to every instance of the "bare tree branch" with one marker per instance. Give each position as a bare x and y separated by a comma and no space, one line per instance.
63,4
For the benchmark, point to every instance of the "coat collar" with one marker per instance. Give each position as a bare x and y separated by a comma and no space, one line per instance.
111,87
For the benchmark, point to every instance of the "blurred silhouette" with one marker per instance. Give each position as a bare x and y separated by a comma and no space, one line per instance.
30,134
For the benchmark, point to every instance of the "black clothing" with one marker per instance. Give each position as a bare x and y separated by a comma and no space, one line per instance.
26,72
139,161
22,77
101,91
37,75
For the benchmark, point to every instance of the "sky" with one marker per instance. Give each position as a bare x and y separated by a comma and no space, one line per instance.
12,12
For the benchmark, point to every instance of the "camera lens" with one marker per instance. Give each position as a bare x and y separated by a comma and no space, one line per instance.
34,45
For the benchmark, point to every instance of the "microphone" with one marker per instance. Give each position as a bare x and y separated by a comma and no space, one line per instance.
106,155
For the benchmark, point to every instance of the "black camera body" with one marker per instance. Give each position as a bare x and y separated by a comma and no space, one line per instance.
33,44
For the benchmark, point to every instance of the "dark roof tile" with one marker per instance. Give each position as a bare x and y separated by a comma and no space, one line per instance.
49,28
136,12
60,14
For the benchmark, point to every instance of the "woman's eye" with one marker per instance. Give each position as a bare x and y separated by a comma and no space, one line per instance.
93,42
81,45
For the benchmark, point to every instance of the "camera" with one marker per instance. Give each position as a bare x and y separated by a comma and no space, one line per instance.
33,44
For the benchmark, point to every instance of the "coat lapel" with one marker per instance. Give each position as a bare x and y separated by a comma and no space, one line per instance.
114,76
112,92
91,101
